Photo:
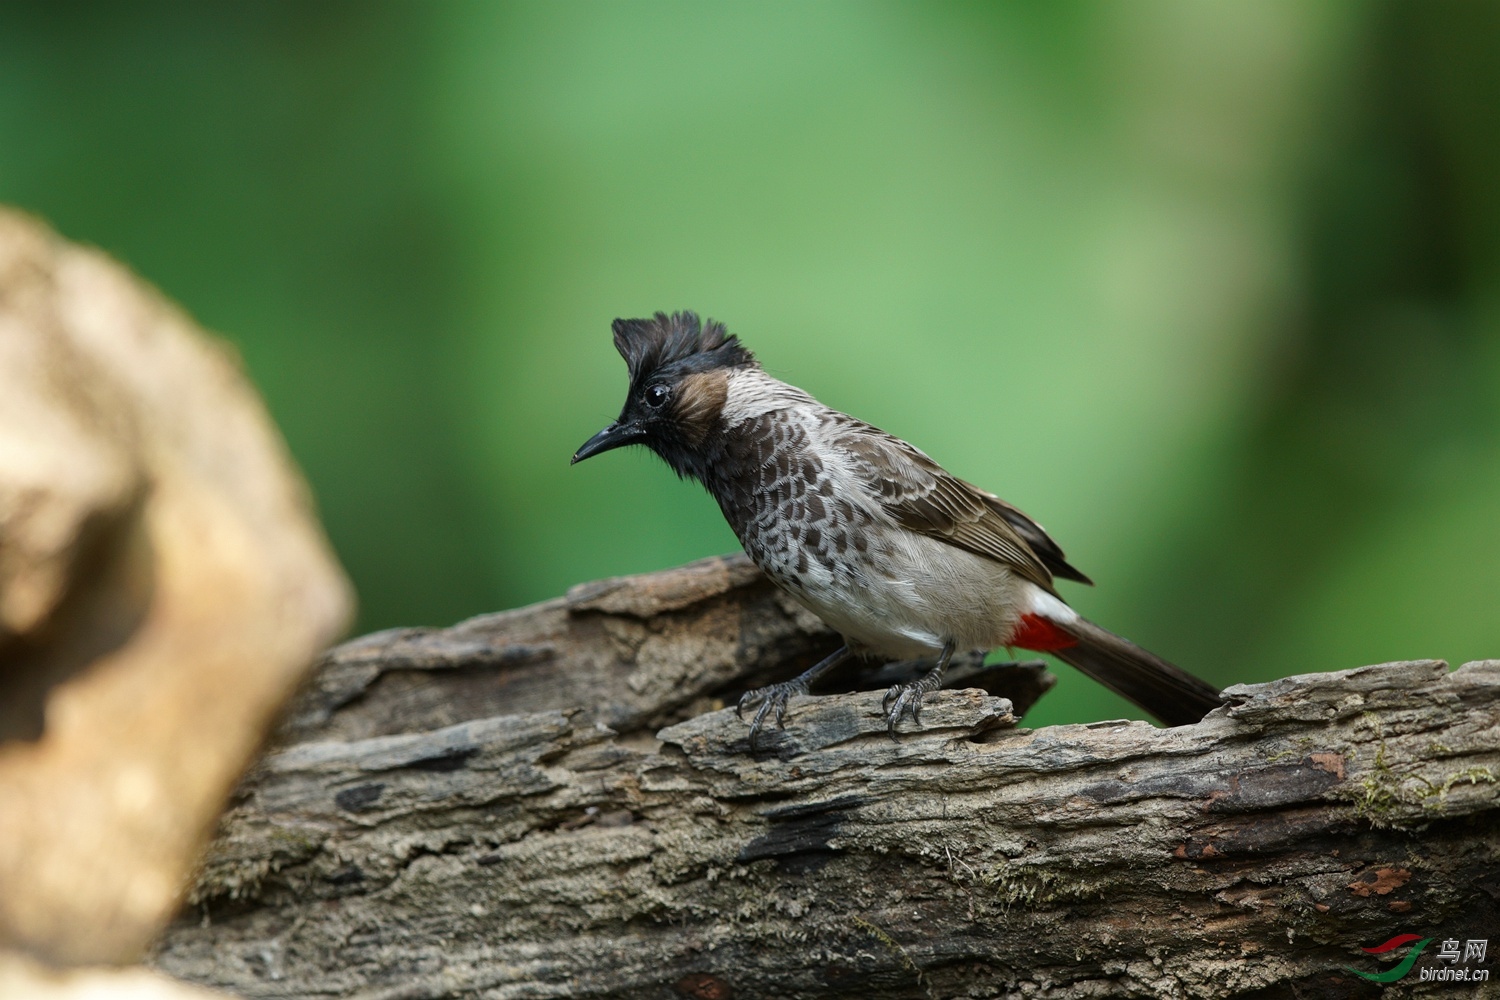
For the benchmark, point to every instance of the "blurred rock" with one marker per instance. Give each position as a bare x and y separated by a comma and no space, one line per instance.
22,979
164,586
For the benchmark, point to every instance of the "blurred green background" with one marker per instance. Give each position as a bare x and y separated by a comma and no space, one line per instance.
1212,290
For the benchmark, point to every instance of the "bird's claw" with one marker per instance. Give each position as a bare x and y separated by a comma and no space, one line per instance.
908,701
773,699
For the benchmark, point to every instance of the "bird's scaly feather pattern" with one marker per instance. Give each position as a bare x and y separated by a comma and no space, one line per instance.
922,497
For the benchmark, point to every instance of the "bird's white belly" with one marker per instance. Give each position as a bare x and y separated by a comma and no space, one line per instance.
914,595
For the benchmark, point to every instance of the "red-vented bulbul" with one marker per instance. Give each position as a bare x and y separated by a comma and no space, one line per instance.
875,538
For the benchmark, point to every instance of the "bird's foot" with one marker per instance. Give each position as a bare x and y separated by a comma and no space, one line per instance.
773,699
906,699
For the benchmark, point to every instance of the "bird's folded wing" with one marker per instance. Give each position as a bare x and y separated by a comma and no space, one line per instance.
922,497
1048,551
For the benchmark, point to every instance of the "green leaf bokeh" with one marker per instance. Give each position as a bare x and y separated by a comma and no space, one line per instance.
1210,290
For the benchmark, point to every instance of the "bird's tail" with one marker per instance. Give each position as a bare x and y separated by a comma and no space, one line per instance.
1166,691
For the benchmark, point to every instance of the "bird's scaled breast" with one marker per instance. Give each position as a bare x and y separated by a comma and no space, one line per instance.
814,526
889,591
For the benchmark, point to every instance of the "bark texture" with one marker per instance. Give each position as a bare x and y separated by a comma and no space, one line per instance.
490,811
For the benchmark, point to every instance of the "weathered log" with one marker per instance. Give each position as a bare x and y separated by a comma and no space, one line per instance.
543,853
633,653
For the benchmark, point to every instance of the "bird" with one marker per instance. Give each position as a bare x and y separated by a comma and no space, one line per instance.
904,560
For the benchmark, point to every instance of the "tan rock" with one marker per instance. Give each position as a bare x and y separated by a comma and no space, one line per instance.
22,979
164,585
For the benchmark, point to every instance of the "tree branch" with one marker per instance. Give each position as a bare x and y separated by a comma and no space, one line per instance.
410,840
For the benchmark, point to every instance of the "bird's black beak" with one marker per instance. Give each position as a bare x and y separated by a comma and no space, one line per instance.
616,435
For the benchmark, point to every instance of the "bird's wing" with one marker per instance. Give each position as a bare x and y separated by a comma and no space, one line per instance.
1048,551
922,497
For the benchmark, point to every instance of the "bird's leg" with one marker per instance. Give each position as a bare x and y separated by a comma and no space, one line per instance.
908,696
773,698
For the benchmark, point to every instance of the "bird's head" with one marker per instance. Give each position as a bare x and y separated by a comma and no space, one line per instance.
679,380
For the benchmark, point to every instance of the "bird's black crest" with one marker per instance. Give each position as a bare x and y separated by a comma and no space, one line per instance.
648,345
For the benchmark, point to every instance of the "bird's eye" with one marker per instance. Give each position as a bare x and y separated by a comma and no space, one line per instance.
656,395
